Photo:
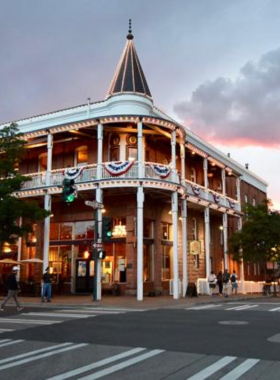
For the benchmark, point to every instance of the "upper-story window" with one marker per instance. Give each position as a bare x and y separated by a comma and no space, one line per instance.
194,229
81,156
246,198
254,202
193,175
43,162
114,147
131,148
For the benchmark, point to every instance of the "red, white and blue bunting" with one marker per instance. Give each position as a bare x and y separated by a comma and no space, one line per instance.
117,168
196,190
216,197
161,170
73,173
231,203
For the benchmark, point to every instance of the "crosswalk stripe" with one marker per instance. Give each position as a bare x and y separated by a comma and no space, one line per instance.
244,307
92,311
203,307
5,330
276,309
28,321
237,372
4,340
57,315
30,353
23,361
211,369
122,365
10,343
98,364
110,309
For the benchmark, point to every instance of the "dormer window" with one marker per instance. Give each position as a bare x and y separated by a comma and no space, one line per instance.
81,156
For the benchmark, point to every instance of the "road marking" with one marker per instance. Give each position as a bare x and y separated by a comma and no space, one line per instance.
237,372
23,361
244,307
203,307
122,365
28,321
11,342
276,309
211,369
121,309
58,315
30,353
100,363
4,340
92,311
5,330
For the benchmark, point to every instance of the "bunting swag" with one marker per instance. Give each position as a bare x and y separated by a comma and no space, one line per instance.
73,173
196,190
231,203
216,197
161,170
117,168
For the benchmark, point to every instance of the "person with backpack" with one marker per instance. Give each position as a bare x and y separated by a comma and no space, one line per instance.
234,284
226,278
220,282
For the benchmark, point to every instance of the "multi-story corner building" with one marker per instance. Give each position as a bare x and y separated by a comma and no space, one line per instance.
173,198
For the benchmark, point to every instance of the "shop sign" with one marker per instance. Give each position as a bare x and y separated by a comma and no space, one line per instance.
195,247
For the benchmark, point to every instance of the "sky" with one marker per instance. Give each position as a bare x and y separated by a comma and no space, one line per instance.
213,65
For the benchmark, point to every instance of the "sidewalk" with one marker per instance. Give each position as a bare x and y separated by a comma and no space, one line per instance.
149,303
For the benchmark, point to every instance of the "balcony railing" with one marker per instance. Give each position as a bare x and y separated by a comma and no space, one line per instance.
90,174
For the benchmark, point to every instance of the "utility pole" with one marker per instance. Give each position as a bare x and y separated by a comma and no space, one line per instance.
96,246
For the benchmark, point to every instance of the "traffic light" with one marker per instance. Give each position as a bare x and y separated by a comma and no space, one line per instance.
68,190
101,255
106,228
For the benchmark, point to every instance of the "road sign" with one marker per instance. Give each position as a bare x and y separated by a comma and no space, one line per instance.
94,204
97,245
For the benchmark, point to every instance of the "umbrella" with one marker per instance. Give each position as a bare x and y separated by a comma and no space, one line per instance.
30,261
9,261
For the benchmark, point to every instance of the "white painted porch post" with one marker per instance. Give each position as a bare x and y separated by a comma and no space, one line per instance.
140,149
185,246
205,170
207,240
224,189
19,245
238,180
173,154
47,204
225,236
242,262
183,156
99,196
175,245
99,150
140,206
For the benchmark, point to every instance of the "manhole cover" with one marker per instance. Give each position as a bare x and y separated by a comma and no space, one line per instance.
233,323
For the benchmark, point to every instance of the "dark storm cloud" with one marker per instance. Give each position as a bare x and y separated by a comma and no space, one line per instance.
245,111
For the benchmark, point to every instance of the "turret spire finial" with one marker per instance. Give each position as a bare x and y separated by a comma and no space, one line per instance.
130,35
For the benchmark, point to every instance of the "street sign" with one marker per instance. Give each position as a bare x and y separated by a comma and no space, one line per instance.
97,245
94,204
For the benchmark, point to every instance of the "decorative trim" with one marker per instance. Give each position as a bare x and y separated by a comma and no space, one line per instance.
117,168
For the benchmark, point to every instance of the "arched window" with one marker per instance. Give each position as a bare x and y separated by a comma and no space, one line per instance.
193,175
42,162
81,156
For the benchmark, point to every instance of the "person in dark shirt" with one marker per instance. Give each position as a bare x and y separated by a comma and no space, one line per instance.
13,289
46,286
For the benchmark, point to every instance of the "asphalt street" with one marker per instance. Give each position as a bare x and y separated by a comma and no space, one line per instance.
165,343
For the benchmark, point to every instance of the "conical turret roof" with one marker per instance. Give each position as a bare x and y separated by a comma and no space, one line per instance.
129,76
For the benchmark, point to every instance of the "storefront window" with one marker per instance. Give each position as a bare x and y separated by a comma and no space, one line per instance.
165,231
54,231
166,262
148,263
84,230
66,230
148,228
60,263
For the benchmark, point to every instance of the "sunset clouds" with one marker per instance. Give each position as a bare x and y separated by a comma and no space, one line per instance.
241,112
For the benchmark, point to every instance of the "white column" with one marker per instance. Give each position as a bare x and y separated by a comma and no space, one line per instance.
99,150
184,244
175,245
140,150
241,262
225,236
99,240
173,154
238,180
47,204
19,246
207,240
47,222
140,219
205,171
183,156
224,189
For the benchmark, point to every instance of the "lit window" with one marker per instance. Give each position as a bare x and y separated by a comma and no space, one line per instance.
43,162
81,156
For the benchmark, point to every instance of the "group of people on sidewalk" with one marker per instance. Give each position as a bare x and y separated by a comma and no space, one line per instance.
226,283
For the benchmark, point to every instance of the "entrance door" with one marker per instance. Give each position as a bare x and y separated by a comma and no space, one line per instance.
84,275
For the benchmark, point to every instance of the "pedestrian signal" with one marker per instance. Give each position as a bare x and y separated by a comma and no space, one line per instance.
101,255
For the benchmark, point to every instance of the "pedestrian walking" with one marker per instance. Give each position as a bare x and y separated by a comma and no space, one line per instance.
212,281
234,284
13,289
220,282
46,286
226,278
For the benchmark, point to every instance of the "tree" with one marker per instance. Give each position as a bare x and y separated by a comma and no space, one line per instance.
259,239
12,147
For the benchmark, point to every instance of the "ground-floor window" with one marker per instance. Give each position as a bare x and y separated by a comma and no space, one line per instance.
148,263
60,263
166,262
114,264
